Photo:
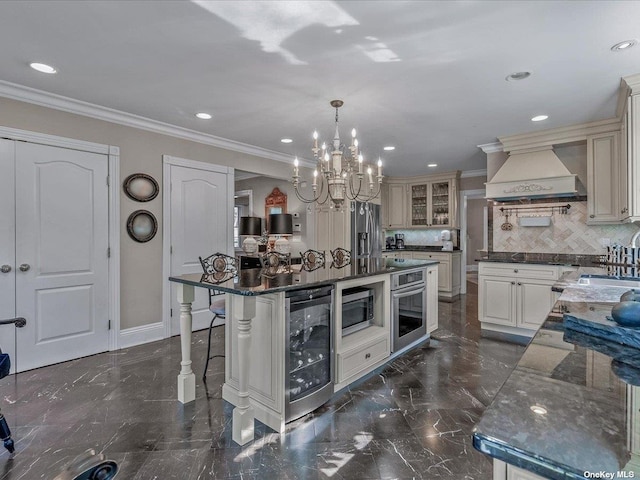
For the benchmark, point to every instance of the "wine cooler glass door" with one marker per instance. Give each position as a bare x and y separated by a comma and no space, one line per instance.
310,351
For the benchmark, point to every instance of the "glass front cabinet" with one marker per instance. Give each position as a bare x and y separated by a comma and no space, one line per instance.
432,204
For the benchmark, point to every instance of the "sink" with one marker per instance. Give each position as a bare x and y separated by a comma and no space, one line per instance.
605,281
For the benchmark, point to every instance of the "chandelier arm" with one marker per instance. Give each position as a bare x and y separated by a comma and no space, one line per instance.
306,200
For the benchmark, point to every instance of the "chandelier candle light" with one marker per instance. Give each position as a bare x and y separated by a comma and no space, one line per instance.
341,172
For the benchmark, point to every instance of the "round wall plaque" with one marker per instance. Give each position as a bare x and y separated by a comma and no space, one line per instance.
142,226
141,187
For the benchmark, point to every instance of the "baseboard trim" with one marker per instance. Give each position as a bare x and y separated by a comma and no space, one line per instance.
133,336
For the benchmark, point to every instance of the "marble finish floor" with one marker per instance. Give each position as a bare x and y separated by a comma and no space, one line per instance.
411,420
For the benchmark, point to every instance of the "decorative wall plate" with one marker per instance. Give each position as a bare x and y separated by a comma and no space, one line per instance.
141,187
142,226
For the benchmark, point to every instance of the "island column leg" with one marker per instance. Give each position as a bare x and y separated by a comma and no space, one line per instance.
186,378
244,309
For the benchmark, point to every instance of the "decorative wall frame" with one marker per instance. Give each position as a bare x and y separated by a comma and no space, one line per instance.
141,187
142,226
276,202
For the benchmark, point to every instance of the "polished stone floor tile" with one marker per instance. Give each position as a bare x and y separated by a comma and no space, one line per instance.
411,419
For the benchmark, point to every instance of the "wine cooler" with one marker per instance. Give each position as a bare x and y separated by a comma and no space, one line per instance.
309,360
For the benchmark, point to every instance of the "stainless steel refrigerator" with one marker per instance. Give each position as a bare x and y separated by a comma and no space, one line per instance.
366,230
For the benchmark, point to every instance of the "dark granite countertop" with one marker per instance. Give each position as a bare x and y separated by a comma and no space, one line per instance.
256,281
421,248
539,258
582,383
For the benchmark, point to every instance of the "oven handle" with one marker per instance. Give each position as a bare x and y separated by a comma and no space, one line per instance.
299,305
408,291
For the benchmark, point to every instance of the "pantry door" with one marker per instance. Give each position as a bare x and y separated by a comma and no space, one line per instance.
61,259
201,223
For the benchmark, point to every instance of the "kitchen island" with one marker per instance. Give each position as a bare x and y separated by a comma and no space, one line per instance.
254,373
570,407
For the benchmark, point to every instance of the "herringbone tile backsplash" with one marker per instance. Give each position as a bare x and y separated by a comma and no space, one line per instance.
567,234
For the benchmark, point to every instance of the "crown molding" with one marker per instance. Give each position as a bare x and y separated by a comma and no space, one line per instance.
474,173
66,104
633,82
491,147
557,136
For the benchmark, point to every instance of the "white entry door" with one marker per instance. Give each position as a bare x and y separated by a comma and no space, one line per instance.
201,223
7,241
60,260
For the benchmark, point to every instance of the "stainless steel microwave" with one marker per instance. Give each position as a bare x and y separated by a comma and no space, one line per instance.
357,309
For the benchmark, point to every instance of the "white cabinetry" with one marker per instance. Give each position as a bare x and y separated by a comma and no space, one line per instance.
396,254
394,205
359,353
428,201
432,298
448,271
605,169
332,229
504,471
516,298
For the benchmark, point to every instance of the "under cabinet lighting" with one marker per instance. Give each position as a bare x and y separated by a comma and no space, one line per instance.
203,116
388,148
43,67
432,165
286,140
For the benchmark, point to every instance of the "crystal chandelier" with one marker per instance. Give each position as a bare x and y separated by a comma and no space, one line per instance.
340,174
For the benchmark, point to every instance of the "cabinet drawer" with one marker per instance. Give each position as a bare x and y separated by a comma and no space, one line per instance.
440,257
360,358
520,270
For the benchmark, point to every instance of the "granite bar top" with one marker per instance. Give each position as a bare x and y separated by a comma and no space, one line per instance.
581,382
257,281
421,248
540,258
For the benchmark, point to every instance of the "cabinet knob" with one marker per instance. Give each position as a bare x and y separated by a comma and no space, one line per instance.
515,270
592,216
24,267
430,273
624,210
367,355
519,284
7,269
513,283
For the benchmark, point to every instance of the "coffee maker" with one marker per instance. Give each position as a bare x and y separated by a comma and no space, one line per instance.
390,243
399,240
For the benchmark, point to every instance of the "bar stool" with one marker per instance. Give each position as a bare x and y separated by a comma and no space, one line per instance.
217,307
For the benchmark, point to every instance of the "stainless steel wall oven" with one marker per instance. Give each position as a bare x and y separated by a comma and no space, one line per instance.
408,307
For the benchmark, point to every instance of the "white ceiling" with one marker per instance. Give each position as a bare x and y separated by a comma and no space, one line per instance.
428,77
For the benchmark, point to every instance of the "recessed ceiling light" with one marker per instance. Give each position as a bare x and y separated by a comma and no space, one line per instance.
388,148
517,76
286,140
203,116
624,45
43,67
539,118
432,165
538,409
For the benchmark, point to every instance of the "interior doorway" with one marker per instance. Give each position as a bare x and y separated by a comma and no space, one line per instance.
473,231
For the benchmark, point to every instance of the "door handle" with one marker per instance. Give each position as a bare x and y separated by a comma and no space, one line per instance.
24,267
5,268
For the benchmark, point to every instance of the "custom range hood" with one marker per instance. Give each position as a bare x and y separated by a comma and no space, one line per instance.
533,173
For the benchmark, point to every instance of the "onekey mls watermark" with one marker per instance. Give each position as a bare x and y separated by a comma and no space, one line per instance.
609,475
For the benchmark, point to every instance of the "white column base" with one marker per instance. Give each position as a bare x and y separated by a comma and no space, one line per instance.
242,428
186,388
